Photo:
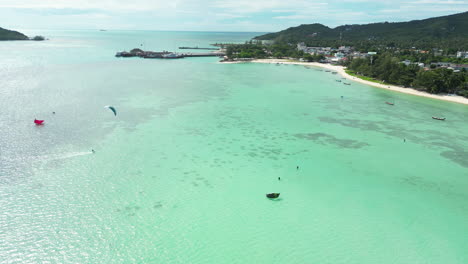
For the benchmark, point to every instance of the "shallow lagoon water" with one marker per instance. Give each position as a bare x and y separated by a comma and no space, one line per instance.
180,175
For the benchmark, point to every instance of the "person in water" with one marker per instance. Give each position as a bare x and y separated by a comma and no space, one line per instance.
53,113
279,178
92,150
297,167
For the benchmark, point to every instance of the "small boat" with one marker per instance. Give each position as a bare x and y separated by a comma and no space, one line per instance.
38,122
334,72
389,103
338,80
438,118
346,83
327,71
272,195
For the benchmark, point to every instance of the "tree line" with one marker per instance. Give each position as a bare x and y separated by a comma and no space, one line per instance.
258,51
255,50
389,69
386,67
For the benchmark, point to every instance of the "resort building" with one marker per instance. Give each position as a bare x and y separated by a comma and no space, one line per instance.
462,54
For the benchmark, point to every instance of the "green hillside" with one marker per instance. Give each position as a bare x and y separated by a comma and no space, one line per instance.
443,32
6,34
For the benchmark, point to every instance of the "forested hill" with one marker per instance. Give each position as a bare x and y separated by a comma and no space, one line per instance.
6,34
438,32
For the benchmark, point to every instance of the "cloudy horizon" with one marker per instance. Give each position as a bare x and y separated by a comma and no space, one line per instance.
227,15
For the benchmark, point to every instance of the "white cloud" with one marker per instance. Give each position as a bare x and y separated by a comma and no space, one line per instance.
250,15
283,10
252,6
439,2
423,11
134,5
292,17
227,15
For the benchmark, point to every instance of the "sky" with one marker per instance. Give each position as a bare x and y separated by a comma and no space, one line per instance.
214,15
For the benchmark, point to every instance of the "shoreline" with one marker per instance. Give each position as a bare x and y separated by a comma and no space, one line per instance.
342,72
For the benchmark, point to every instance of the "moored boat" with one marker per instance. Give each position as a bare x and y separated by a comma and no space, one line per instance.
272,195
438,118
389,103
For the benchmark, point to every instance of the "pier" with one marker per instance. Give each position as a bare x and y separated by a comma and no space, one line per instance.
164,54
198,48
206,54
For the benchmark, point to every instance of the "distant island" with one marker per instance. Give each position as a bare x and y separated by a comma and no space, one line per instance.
6,34
429,55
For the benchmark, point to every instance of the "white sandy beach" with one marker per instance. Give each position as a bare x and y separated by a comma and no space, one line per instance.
341,71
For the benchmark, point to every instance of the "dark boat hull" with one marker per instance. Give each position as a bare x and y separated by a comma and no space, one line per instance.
272,195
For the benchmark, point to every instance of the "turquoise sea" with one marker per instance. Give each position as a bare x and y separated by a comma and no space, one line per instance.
180,174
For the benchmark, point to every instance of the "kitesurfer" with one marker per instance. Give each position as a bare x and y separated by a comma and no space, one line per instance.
38,122
113,109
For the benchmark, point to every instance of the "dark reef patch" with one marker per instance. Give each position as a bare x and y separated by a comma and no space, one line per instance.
326,139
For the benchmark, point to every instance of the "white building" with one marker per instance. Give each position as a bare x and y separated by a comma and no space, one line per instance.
345,49
340,55
408,62
462,54
301,46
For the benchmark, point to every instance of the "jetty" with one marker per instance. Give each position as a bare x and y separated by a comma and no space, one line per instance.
164,54
198,48
205,54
